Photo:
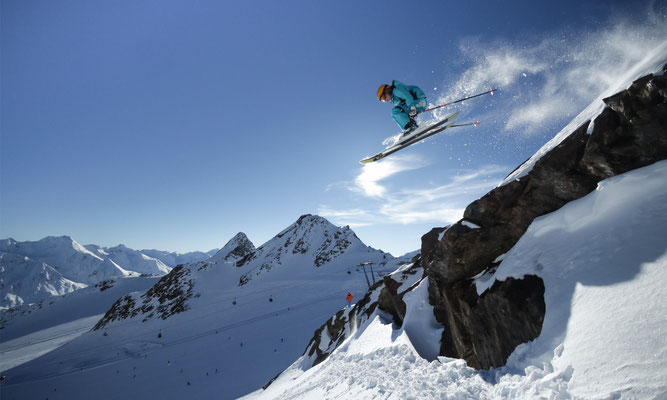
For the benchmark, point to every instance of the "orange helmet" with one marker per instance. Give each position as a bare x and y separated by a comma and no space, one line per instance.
381,90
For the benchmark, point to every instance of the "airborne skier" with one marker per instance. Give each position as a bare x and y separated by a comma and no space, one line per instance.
408,100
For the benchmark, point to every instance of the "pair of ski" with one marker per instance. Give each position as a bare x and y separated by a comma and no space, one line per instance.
418,135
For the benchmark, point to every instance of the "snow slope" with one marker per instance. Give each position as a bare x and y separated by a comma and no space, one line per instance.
230,339
603,260
29,331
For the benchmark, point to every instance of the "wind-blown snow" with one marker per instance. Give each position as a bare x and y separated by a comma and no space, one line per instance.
651,63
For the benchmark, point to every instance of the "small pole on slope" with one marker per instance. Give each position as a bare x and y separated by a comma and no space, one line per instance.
363,265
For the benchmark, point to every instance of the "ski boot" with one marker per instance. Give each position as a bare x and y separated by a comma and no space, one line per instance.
409,128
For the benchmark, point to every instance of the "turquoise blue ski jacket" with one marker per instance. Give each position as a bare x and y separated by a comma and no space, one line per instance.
404,97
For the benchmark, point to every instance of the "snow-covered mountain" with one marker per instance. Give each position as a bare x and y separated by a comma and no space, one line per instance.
312,241
219,328
172,259
131,260
33,271
23,280
72,260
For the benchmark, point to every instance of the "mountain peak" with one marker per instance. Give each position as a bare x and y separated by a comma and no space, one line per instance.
311,238
309,219
64,242
238,247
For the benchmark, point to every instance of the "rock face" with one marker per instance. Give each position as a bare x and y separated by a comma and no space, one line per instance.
167,297
630,133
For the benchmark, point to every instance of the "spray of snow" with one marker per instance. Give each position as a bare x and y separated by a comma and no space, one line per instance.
551,78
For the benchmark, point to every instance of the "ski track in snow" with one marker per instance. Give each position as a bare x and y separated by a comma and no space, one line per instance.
18,351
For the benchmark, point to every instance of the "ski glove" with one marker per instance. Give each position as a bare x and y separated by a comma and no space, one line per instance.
413,112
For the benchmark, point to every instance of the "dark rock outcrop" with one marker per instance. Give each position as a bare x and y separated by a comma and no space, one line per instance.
167,297
630,133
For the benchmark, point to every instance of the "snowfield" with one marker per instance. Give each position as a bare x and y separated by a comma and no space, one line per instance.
603,259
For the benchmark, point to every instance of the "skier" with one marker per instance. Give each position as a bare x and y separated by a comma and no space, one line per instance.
409,101
349,298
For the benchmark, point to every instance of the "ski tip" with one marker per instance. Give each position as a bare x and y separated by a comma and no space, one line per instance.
492,90
475,123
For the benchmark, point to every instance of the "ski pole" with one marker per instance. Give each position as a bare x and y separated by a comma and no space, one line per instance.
468,124
460,100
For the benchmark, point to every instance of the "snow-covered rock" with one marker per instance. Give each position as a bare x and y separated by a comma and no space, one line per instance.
485,329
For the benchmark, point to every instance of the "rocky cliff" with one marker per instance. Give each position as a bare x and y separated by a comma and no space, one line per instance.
630,133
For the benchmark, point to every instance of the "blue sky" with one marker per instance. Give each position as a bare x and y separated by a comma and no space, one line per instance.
176,124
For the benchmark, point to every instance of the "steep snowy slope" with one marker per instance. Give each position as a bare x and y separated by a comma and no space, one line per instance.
23,281
603,259
210,329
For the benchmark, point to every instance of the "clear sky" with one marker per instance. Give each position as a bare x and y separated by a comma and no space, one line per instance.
176,124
